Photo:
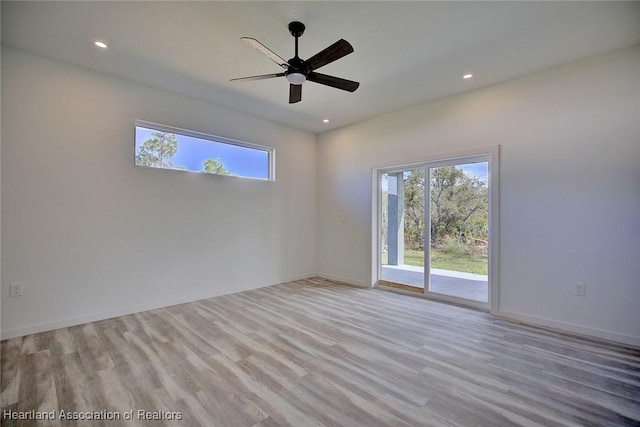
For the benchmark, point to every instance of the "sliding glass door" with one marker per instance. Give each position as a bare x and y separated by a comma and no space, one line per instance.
434,229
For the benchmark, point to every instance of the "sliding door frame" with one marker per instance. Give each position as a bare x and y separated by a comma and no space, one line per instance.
488,154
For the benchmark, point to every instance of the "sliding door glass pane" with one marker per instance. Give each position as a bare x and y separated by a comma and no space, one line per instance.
402,228
459,225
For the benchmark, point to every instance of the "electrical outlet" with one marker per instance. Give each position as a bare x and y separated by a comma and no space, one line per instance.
15,290
579,289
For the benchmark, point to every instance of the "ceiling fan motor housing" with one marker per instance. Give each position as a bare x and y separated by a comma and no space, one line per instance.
297,66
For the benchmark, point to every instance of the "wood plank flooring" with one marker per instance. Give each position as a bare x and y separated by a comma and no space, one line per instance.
316,353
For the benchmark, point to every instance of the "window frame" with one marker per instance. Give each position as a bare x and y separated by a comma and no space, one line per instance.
271,151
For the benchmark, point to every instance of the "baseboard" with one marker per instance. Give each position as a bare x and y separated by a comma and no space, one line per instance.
301,277
573,328
343,280
95,317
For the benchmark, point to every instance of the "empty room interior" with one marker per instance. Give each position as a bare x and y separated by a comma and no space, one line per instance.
320,213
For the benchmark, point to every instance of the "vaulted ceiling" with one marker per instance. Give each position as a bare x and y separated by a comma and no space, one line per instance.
406,53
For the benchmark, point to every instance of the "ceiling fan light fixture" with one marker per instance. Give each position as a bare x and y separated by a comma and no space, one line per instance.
296,78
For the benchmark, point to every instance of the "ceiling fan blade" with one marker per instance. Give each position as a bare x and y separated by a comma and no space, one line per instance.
295,93
332,81
334,52
265,50
260,77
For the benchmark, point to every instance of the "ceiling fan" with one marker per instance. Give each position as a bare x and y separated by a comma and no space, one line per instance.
297,70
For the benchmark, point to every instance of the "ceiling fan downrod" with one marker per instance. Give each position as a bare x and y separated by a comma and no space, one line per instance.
297,30
296,75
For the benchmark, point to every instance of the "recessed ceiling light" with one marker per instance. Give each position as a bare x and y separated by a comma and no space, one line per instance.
467,76
326,121
100,44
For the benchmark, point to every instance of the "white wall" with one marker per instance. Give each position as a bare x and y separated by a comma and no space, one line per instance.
92,236
570,188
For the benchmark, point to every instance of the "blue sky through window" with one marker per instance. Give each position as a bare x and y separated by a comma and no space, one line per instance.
478,170
192,152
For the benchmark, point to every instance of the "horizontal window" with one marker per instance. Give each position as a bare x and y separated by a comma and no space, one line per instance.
158,146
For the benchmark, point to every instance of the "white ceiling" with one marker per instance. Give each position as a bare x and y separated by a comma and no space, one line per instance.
406,53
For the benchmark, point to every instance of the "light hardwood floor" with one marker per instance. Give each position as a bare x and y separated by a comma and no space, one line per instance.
316,353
